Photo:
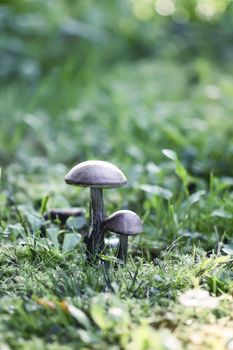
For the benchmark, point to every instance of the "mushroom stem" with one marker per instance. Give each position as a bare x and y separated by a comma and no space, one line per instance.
122,248
95,240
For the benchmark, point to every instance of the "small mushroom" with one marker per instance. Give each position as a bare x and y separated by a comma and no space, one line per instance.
62,214
97,175
125,223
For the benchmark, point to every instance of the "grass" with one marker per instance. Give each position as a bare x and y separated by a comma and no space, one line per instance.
183,193
168,125
120,311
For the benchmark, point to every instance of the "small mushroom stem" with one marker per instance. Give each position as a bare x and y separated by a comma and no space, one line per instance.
122,248
95,240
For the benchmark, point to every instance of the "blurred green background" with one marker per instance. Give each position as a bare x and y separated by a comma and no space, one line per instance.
88,78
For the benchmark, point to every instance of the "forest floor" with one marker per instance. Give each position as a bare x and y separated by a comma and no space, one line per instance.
170,130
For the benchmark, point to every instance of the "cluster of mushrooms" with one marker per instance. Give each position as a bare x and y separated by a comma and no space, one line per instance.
99,175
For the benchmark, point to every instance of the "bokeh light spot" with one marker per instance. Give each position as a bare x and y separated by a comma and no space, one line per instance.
143,9
165,7
206,9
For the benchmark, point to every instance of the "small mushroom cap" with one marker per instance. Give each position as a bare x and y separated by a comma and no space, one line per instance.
95,173
64,213
124,222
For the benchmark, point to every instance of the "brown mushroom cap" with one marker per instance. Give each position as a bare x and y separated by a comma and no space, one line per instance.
124,222
64,213
95,173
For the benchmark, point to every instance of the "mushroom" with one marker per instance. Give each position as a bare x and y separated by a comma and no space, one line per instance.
125,223
62,214
97,175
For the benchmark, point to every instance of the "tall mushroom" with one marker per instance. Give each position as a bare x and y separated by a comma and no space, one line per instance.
97,175
125,223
